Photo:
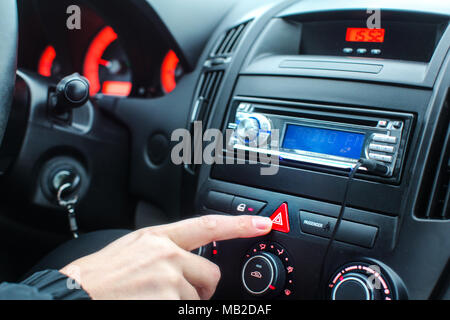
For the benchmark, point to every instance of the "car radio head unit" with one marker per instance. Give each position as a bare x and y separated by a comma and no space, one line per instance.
323,139
308,139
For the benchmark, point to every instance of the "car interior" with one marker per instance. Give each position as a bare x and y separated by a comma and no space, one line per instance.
331,117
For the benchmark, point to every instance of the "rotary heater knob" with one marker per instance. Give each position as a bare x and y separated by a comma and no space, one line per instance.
263,275
363,281
354,286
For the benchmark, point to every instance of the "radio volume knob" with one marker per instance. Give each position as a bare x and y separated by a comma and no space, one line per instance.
248,129
254,128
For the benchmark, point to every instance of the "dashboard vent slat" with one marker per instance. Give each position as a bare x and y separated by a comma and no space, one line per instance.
232,44
434,198
207,93
446,205
231,40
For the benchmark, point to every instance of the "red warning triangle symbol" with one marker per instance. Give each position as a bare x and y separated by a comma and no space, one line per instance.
280,219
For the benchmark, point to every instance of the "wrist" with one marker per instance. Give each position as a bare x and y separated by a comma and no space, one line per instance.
58,285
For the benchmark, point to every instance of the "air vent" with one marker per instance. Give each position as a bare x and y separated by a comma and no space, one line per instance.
434,200
230,41
209,86
207,93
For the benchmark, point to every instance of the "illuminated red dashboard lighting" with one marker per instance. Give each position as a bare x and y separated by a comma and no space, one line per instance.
46,61
365,35
168,69
117,88
94,56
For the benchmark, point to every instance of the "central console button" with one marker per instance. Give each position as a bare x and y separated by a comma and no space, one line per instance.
228,203
219,201
246,206
349,232
315,224
263,274
280,219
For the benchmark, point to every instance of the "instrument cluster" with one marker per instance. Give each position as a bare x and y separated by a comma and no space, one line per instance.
106,51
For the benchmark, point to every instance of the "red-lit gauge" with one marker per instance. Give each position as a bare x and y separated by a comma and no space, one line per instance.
171,71
365,35
106,65
48,64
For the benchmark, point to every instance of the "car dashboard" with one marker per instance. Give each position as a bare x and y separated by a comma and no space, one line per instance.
337,92
334,121
113,58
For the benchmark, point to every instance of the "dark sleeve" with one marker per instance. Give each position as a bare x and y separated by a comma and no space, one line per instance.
46,285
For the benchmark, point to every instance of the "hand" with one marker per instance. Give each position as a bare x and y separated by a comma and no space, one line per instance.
156,263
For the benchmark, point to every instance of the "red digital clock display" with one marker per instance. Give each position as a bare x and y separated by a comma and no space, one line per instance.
365,35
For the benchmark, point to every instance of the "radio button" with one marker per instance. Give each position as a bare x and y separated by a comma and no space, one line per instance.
382,148
232,126
375,52
397,125
382,124
380,157
347,50
384,138
361,51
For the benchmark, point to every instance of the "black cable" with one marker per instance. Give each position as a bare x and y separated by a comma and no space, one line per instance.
339,219
373,167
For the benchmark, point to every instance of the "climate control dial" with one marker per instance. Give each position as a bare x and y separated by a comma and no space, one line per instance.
360,281
263,274
268,271
353,286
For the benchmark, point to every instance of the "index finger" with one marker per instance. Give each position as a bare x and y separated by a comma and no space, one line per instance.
194,233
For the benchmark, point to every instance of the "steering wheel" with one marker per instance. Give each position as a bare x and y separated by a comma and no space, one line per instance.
8,59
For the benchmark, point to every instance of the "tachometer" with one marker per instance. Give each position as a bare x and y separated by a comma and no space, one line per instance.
106,65
171,71
48,63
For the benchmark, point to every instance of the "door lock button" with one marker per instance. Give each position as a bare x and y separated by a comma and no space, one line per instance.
242,206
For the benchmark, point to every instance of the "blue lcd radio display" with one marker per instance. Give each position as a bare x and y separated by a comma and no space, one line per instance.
324,141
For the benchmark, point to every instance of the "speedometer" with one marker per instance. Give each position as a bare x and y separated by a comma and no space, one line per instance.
106,65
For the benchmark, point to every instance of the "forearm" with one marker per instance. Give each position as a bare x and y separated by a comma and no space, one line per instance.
46,285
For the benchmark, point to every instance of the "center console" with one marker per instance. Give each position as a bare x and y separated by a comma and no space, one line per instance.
319,92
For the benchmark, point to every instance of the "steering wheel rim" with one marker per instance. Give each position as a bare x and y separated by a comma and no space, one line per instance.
8,59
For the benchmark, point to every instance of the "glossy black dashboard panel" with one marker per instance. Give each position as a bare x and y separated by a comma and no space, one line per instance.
381,227
407,41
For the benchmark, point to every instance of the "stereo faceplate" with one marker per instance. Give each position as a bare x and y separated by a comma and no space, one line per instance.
333,140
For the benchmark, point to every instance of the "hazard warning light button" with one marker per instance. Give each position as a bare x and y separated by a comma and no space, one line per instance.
280,219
